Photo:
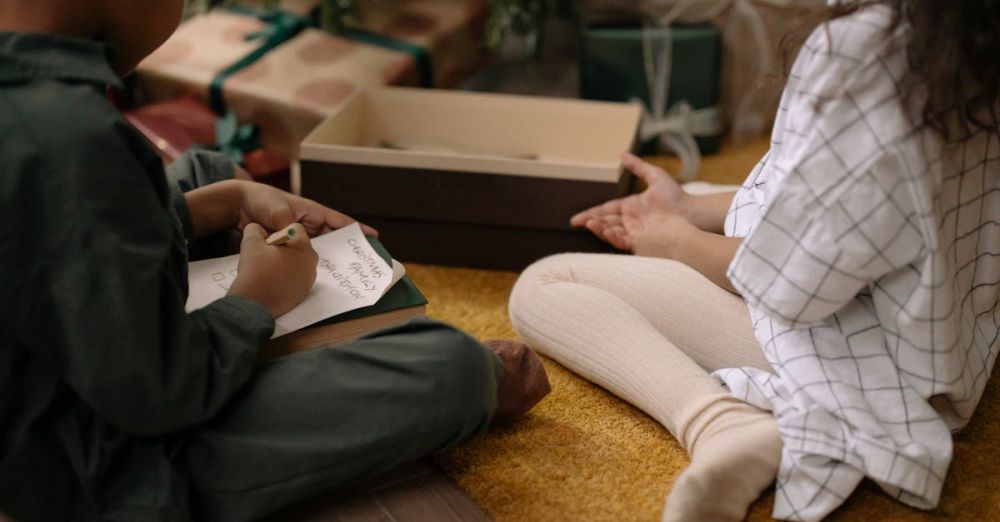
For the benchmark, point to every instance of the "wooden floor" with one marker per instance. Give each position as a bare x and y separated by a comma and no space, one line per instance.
416,492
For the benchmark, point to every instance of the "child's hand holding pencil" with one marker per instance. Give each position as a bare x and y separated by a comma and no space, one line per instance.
277,278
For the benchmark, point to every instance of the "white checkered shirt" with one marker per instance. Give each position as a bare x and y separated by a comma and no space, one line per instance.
871,268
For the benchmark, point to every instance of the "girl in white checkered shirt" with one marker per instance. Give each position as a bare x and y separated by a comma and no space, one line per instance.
846,294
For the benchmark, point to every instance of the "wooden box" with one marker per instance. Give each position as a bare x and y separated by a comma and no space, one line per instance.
468,179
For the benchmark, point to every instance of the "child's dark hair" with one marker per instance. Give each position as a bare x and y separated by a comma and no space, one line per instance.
954,51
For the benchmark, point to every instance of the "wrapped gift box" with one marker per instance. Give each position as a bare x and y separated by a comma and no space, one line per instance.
175,126
287,92
468,179
445,37
613,67
752,75
448,32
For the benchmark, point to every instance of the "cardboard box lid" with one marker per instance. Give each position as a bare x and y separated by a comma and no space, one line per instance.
477,133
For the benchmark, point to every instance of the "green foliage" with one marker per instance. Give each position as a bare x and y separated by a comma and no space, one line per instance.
334,14
515,17
525,19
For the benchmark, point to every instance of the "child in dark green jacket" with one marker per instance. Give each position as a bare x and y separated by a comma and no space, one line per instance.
116,404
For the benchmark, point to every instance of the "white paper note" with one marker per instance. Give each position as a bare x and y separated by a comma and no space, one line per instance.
349,275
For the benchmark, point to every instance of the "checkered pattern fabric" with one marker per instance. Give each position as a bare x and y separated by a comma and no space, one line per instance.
871,267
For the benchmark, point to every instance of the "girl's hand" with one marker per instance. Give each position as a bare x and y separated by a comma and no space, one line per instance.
619,220
275,209
664,235
277,277
670,236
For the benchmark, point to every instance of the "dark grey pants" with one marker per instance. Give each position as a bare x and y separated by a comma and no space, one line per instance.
314,420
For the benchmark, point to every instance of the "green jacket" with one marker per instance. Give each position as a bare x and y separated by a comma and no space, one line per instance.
101,368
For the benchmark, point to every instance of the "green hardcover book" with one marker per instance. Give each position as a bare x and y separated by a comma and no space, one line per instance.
401,303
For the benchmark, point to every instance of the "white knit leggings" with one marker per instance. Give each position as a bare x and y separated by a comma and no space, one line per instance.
649,330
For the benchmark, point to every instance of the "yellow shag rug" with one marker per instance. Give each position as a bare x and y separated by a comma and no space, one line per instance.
583,454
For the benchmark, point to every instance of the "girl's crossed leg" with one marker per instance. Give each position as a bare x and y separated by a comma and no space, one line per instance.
649,330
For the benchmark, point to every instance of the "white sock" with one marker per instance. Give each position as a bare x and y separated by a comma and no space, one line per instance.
733,460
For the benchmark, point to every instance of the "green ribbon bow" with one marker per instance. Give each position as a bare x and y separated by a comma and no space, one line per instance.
233,139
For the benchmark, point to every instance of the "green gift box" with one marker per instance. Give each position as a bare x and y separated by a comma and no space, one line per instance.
616,63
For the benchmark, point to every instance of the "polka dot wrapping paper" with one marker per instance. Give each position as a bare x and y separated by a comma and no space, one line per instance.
292,88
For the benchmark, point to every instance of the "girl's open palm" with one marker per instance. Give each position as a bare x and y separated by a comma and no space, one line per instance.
618,221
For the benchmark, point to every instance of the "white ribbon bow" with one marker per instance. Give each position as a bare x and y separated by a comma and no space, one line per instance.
677,128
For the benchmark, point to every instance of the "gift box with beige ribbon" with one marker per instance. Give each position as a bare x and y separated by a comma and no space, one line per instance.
752,75
672,71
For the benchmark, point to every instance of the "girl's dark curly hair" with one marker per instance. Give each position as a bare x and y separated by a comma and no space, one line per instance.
954,50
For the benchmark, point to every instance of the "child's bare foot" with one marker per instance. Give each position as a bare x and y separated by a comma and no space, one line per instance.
524,380
729,470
